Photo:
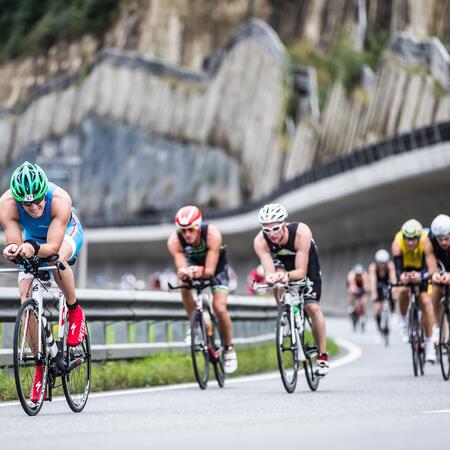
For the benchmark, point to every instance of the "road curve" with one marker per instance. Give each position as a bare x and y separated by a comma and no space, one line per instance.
369,400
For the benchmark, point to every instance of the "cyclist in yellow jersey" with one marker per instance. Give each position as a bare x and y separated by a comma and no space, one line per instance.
413,256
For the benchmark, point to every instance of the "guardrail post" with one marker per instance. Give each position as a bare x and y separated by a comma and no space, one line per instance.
141,331
160,331
121,332
7,334
178,331
97,332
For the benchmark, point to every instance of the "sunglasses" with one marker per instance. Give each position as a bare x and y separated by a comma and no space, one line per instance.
274,229
190,229
410,238
36,202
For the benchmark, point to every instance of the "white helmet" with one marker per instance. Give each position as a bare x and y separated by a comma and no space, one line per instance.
440,226
273,212
412,229
382,256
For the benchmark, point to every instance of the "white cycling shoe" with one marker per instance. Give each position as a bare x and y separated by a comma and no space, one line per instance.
230,361
430,352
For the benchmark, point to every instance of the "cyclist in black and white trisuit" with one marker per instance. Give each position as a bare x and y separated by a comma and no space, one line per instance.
440,240
198,252
381,274
288,252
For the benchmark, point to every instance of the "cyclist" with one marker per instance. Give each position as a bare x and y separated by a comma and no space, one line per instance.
357,289
381,274
39,220
440,240
413,256
288,252
198,252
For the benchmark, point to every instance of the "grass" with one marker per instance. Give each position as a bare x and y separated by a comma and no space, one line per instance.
159,369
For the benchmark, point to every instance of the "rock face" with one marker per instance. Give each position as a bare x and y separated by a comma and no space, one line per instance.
236,106
182,32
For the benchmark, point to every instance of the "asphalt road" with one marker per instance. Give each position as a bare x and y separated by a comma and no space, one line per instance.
372,402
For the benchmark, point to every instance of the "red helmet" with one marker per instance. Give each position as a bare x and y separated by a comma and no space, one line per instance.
188,217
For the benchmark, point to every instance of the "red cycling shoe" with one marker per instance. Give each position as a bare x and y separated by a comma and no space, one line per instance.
77,327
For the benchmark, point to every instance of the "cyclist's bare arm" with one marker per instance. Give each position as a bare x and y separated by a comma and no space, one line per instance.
302,244
214,240
430,258
391,271
373,280
9,218
61,210
262,251
180,261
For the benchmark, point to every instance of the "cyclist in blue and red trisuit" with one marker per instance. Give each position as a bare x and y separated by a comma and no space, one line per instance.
39,220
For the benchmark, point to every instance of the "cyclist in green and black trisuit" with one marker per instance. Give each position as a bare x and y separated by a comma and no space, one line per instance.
198,252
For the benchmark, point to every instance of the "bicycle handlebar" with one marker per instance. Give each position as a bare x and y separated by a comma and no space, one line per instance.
35,264
305,282
199,284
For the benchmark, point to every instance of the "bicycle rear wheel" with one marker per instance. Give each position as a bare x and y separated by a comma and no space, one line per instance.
76,380
287,350
444,343
384,325
311,350
199,349
416,338
25,356
219,350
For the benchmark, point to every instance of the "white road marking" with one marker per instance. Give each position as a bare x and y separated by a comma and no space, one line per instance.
354,352
443,411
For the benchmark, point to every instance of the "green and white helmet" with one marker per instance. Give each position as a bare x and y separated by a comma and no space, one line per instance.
28,183
412,229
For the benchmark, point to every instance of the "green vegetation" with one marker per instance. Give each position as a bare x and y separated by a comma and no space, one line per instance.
160,369
31,27
341,62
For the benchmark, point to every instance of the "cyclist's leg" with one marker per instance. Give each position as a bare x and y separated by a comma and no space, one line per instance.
220,298
25,292
377,307
188,302
436,296
317,324
428,313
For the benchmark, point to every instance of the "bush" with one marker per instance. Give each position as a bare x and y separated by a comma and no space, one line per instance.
30,27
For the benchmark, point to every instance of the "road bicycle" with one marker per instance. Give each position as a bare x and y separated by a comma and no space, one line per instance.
444,334
207,344
415,326
34,344
385,312
357,311
294,340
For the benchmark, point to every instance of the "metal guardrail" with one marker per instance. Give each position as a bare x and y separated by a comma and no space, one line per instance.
406,142
116,305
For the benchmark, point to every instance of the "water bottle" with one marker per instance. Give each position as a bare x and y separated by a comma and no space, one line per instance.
298,322
208,322
49,338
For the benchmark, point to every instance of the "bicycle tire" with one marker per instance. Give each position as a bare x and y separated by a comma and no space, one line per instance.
416,344
199,350
384,325
444,343
219,349
24,361
76,380
311,350
283,342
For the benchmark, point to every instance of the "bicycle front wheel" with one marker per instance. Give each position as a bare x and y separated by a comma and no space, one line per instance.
199,349
26,356
311,350
77,378
218,351
416,338
287,349
444,343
